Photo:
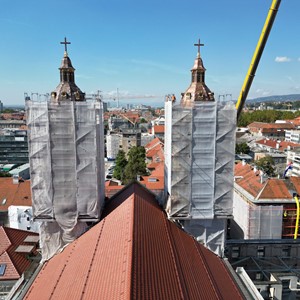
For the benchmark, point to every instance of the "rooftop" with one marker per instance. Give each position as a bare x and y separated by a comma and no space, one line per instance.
268,189
279,145
121,258
159,128
14,194
271,125
12,241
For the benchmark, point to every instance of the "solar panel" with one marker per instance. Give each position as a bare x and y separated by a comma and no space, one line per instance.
2,269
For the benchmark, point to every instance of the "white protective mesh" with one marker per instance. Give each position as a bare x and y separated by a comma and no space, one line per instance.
265,222
199,156
203,160
199,163
225,155
66,152
210,232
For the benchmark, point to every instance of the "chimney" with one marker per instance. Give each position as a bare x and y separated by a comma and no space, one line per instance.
15,179
261,174
243,162
263,177
255,169
277,145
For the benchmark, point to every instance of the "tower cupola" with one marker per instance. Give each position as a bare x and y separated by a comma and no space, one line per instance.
197,91
67,90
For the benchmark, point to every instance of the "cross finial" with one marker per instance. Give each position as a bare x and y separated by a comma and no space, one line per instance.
66,43
199,45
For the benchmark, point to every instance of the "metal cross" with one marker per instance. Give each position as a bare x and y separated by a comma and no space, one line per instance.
65,43
199,45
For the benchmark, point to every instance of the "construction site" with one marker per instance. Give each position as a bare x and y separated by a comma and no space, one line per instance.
205,216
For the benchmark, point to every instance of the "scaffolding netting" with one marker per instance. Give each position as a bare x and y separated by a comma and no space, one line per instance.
200,159
67,175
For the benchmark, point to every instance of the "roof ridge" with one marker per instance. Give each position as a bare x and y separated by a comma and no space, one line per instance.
261,191
5,234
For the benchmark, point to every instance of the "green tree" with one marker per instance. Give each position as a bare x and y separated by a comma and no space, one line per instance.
121,163
4,174
143,120
9,110
267,116
267,165
136,164
242,148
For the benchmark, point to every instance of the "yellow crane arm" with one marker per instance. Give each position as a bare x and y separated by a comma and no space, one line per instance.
297,218
257,55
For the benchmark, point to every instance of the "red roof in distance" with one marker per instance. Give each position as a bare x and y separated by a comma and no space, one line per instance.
14,194
248,178
279,145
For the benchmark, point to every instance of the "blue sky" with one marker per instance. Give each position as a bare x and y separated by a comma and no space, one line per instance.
146,47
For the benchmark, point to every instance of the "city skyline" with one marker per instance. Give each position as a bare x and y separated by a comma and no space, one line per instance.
146,49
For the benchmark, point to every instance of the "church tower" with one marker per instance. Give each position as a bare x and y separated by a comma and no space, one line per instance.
197,91
199,160
66,155
67,88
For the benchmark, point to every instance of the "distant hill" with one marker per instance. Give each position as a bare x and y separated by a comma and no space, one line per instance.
276,98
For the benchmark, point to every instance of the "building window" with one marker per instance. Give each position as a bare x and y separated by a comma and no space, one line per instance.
286,252
260,251
2,269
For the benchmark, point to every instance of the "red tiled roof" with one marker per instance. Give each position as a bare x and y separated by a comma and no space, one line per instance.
15,194
296,183
155,150
159,128
272,144
16,263
135,252
275,189
250,181
271,125
295,121
153,165
111,190
156,141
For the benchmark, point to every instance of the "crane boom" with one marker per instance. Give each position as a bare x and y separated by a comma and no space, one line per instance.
257,55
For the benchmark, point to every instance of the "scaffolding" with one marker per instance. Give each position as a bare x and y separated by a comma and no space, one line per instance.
67,175
199,161
265,222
